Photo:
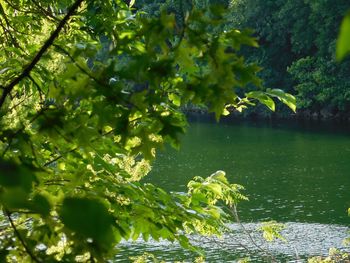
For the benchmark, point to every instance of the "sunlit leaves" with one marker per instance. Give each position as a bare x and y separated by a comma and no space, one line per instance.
343,41
80,131
286,98
271,230
214,188
263,98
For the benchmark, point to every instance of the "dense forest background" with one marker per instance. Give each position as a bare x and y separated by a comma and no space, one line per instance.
297,41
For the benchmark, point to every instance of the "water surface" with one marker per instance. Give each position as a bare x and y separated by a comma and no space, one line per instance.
296,173
291,172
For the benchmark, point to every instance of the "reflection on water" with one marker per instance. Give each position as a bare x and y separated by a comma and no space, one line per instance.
304,240
297,174
292,173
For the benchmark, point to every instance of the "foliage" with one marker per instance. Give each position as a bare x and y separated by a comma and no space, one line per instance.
334,256
271,230
297,53
320,85
89,91
148,257
145,257
343,47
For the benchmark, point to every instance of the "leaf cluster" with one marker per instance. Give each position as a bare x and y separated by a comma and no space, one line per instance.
298,55
90,92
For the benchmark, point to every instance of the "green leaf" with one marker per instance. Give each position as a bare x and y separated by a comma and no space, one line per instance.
220,176
215,188
343,41
262,98
225,112
3,255
41,205
89,218
271,230
13,175
132,2
175,99
15,198
286,98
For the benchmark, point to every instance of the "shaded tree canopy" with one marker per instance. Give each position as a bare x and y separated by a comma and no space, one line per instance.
297,41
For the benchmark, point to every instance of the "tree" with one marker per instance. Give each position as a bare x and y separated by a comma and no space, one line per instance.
297,52
89,91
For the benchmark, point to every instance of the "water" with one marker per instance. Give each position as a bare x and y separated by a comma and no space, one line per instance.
304,240
293,173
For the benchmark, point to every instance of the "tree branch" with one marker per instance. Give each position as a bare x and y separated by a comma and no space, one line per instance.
48,14
13,40
44,48
30,253
13,135
37,86
78,66
265,251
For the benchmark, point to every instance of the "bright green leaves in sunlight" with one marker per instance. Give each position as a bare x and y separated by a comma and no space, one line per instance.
214,188
262,98
271,230
266,98
286,98
106,87
343,41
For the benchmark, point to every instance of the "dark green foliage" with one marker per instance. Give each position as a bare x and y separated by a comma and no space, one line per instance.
88,218
297,49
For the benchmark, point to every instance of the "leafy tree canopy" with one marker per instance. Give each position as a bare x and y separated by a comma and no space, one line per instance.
297,47
88,91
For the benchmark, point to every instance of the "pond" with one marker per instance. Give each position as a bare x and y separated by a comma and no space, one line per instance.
295,173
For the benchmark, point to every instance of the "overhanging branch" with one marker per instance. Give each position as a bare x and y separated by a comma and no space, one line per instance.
7,89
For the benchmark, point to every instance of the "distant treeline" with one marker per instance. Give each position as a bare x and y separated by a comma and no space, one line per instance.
297,48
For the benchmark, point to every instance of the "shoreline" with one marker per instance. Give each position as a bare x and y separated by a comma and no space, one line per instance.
301,115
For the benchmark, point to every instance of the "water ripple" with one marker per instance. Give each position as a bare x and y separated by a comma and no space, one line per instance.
304,240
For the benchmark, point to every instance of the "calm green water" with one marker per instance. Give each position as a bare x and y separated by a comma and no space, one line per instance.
290,172
293,173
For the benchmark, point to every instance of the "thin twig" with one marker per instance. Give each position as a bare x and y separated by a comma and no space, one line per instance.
52,181
5,31
19,103
265,251
18,9
7,228
59,157
37,86
74,149
12,136
47,13
13,40
30,253
78,66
